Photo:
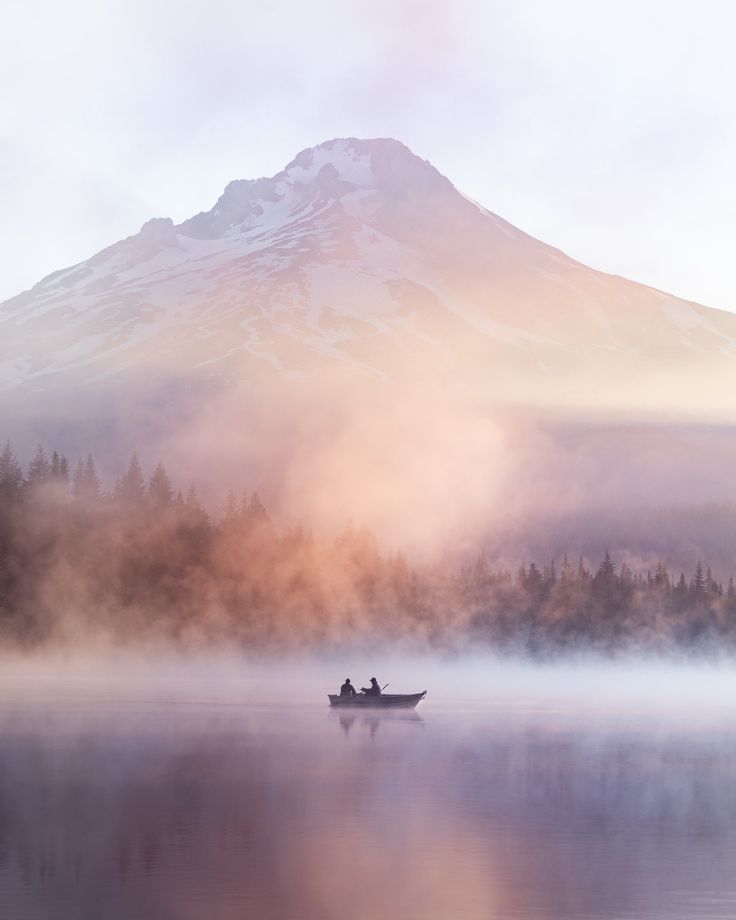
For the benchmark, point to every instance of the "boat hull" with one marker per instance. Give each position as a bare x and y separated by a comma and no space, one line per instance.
384,701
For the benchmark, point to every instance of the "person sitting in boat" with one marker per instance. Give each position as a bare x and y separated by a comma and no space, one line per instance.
373,690
347,688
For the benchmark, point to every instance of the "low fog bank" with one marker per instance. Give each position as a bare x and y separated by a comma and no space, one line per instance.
590,683
435,476
474,526
430,467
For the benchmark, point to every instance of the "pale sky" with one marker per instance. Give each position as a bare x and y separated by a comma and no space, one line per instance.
605,128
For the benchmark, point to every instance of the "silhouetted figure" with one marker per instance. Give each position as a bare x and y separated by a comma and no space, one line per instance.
373,690
347,688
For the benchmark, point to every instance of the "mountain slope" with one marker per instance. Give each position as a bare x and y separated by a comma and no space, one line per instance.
354,337
362,259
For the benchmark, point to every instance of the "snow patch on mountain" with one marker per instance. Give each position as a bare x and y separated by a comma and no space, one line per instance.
357,253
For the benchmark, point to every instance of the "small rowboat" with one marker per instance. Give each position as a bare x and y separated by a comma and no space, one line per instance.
385,700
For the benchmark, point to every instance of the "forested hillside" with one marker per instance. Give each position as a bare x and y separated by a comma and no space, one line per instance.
143,563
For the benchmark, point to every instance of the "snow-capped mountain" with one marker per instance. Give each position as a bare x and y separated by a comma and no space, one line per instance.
362,258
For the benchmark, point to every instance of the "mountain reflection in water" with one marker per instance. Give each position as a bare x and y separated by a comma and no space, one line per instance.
142,810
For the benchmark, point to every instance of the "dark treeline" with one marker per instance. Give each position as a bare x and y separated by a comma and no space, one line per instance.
143,562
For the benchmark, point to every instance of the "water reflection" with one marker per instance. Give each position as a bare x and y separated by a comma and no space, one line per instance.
372,721
182,812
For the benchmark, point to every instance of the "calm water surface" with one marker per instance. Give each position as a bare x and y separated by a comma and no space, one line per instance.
134,808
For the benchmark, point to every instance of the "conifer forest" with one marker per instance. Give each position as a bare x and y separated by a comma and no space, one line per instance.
144,563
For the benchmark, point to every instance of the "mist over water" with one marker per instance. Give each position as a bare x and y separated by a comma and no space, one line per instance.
225,787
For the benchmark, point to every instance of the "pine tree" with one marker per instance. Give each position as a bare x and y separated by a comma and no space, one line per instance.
533,580
39,469
731,596
58,477
11,477
550,575
605,585
230,512
94,487
567,573
256,510
131,487
78,480
661,576
159,489
698,584
86,485
711,585
194,508
606,570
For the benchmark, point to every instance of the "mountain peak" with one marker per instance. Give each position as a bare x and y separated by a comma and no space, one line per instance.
380,162
361,256
332,170
354,147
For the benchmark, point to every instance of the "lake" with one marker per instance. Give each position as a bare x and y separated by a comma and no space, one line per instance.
205,791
